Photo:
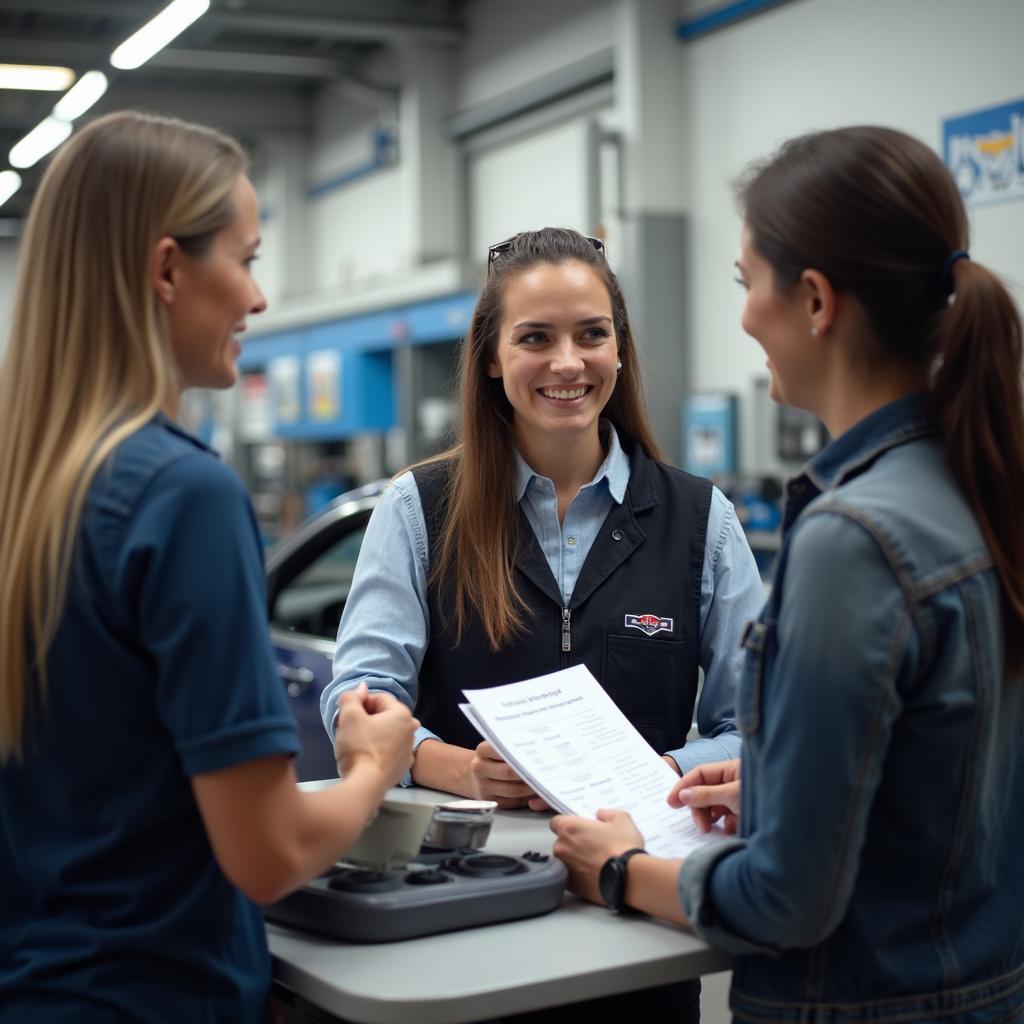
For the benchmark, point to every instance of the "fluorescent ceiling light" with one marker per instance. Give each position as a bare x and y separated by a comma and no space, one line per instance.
46,136
157,33
40,77
81,96
10,182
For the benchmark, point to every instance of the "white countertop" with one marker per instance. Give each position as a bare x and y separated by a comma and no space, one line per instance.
577,952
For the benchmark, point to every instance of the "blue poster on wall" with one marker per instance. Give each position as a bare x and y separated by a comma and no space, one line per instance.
984,152
709,434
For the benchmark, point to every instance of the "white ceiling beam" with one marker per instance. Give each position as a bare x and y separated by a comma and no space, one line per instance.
278,25
355,29
233,62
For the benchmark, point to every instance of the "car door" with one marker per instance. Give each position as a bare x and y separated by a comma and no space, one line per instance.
309,575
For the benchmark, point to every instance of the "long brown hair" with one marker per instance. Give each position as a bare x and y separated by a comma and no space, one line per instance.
480,536
879,215
89,358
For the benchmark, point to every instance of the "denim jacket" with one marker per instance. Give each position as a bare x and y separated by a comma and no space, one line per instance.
879,873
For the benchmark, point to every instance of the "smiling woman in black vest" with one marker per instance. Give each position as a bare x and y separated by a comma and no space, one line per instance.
552,534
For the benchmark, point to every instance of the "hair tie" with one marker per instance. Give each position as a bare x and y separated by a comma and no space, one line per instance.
946,274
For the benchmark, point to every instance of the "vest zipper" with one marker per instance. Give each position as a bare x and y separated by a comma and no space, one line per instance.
566,635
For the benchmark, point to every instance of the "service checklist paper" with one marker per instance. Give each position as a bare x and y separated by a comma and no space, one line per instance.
567,739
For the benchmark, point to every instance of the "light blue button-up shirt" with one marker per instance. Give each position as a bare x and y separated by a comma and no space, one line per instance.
566,544
385,626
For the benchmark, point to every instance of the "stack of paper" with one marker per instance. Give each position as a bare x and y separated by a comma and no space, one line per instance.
569,742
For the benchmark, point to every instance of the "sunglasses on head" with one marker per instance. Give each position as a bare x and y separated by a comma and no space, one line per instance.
499,249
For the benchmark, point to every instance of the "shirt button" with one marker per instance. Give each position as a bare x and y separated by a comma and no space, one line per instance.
539,484
616,535
571,541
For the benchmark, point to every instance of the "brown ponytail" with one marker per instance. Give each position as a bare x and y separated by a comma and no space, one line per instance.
878,214
979,402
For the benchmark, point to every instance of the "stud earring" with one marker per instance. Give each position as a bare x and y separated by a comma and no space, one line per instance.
618,365
814,331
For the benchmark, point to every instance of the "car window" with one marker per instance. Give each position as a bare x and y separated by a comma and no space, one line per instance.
313,599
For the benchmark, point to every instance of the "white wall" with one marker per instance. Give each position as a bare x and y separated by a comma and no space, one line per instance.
511,43
530,183
651,111
432,165
360,231
280,173
539,178
813,64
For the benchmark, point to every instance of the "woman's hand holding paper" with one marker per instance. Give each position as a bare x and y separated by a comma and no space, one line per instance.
492,778
712,792
584,845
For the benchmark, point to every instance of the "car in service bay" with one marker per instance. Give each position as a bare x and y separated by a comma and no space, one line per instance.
309,574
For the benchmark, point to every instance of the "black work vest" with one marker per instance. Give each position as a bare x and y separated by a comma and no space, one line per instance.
633,618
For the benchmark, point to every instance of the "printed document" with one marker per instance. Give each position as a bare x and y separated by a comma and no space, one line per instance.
567,739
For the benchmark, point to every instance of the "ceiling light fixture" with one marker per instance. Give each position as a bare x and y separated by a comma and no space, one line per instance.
35,77
81,96
10,182
46,136
157,33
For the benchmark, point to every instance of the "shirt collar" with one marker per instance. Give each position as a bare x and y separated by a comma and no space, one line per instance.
614,468
893,424
176,428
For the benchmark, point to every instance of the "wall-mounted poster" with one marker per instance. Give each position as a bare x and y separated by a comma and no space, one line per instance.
285,391
254,419
323,381
984,152
709,434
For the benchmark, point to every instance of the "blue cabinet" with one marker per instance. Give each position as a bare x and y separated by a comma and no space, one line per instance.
337,379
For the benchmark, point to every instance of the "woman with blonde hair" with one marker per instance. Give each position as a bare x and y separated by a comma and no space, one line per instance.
147,796
552,534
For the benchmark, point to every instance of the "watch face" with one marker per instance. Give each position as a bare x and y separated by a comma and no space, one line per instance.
610,881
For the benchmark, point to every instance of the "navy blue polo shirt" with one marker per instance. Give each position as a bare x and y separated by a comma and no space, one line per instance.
112,906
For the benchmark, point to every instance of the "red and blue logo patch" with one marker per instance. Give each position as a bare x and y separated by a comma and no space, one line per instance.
649,624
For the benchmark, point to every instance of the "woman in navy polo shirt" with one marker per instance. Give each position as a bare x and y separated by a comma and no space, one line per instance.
877,873
147,797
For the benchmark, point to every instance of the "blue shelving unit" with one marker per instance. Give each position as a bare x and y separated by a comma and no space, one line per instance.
336,379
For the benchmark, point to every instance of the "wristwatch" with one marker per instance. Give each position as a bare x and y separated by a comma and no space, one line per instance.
612,880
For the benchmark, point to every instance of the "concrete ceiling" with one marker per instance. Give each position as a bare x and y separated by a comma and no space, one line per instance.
253,63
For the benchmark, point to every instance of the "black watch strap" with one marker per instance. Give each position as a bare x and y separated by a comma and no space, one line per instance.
615,867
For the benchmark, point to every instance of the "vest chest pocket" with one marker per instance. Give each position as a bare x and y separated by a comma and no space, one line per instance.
749,691
649,682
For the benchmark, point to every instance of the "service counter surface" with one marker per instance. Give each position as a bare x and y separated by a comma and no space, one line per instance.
579,951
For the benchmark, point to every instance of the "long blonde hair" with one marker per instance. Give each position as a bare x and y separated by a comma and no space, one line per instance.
89,360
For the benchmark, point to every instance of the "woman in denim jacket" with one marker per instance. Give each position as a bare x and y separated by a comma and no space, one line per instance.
877,871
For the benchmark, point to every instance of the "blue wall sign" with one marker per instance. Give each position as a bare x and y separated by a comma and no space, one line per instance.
984,152
709,434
